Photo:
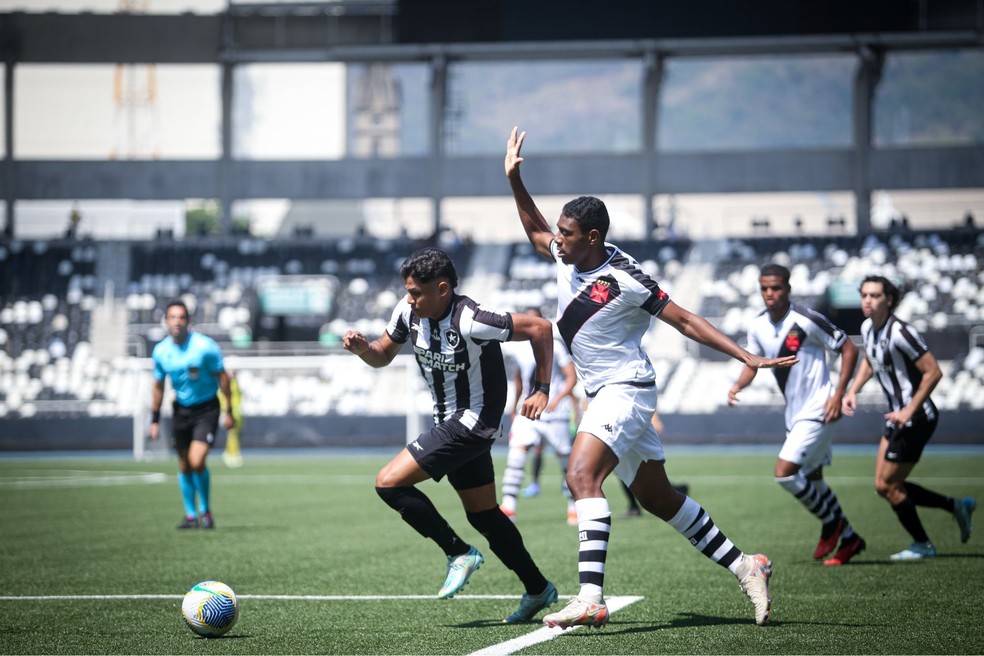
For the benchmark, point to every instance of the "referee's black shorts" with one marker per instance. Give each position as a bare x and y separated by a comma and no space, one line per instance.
195,423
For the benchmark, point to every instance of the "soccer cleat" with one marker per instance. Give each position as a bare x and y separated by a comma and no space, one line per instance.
916,551
571,517
511,514
829,535
207,521
850,547
531,490
579,612
530,605
753,579
188,522
962,511
460,569
232,460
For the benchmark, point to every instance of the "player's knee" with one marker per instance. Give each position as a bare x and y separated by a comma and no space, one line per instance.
887,489
793,484
390,495
486,521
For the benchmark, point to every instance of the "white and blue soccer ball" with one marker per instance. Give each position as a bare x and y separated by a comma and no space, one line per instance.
210,609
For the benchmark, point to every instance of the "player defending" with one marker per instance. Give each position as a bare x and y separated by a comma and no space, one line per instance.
553,426
194,363
813,405
456,343
604,307
908,373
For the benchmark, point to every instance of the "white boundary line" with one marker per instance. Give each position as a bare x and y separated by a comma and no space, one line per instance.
546,633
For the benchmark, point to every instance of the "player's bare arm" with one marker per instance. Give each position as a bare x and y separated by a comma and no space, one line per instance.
931,375
157,398
850,401
700,330
834,405
539,333
536,227
378,353
745,379
226,387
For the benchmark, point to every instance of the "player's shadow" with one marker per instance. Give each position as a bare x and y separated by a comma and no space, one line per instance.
228,636
694,620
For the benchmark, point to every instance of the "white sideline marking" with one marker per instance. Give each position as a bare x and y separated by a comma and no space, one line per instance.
546,633
32,480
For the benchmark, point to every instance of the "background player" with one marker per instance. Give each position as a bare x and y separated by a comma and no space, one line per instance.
908,372
813,404
553,426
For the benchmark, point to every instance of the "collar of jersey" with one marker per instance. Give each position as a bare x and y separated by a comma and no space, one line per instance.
612,250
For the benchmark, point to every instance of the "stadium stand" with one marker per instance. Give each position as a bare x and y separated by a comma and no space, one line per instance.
58,359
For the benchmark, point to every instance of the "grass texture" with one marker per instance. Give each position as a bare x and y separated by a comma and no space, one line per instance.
311,525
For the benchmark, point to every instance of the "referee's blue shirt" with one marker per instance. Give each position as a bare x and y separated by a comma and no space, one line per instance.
193,367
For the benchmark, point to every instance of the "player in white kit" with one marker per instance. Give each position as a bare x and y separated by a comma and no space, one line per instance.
552,428
604,307
813,404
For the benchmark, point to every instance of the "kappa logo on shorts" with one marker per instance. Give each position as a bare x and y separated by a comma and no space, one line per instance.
415,444
608,427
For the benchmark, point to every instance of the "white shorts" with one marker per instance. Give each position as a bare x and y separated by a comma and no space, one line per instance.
809,444
528,433
621,417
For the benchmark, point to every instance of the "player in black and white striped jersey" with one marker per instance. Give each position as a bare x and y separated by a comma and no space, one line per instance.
908,372
456,344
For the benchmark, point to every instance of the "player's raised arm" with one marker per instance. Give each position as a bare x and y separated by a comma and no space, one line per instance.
535,225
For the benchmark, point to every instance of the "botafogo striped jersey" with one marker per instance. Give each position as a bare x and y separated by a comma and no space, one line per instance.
892,353
602,316
460,358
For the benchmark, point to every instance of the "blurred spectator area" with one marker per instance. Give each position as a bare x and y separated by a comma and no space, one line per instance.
59,355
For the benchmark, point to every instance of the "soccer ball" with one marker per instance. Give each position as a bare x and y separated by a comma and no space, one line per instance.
210,609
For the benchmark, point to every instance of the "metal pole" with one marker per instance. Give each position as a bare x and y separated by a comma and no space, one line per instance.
866,79
438,103
8,131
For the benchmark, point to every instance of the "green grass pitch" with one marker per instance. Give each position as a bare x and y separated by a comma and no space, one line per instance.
311,525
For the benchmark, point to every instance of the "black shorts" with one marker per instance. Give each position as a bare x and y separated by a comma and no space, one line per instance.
198,423
451,449
906,443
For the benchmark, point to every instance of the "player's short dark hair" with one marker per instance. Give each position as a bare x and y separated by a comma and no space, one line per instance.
890,289
776,270
177,303
429,264
590,214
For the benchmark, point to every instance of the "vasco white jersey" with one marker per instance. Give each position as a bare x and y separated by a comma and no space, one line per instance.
808,335
602,316
892,353
460,358
526,364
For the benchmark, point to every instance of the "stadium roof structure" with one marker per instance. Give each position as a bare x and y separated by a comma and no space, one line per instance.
438,32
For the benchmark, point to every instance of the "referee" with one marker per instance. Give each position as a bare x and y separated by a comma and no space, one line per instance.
194,363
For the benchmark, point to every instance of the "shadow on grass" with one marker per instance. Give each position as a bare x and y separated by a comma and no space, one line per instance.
233,636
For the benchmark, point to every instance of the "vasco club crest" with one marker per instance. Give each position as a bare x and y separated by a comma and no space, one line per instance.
600,291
